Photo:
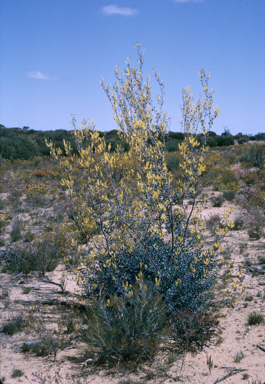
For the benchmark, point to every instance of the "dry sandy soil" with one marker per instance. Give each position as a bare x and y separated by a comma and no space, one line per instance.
233,335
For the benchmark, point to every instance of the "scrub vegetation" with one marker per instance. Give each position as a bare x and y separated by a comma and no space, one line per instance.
121,212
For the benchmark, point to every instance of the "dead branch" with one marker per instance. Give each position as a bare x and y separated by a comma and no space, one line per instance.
232,372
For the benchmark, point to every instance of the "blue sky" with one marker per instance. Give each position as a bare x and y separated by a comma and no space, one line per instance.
54,52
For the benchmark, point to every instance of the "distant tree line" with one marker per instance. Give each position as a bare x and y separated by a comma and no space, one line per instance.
25,143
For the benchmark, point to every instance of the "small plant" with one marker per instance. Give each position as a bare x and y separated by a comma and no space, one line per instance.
191,330
2,242
262,260
15,231
255,318
249,298
259,294
238,357
245,376
122,329
26,290
248,263
217,201
253,234
17,373
210,363
13,326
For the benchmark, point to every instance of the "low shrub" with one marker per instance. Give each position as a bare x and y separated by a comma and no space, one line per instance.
191,330
17,373
253,156
250,178
254,234
182,287
229,195
14,325
217,201
39,173
43,254
122,329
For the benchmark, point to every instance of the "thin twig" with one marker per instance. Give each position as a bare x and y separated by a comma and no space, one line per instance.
232,372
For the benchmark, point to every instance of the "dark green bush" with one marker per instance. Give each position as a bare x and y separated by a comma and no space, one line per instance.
129,328
211,142
18,147
172,145
191,293
243,140
224,141
176,136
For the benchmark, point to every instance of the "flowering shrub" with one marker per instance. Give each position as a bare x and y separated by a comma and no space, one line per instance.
140,228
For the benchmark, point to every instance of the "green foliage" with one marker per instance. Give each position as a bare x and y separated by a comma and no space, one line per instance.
217,201
193,285
211,142
173,145
13,326
173,161
224,141
223,178
17,147
119,329
243,140
255,318
17,373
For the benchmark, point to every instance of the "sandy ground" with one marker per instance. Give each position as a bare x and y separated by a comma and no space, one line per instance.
233,333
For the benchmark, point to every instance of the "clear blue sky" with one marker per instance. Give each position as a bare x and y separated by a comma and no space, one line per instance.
54,52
